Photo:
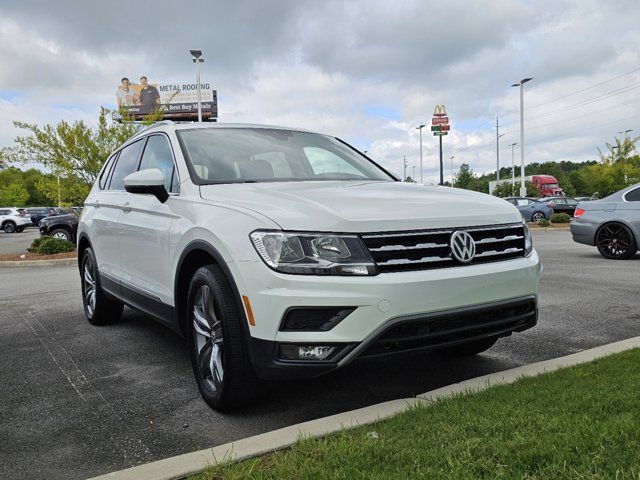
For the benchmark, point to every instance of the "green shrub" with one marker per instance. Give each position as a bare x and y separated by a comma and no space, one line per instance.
36,244
544,222
560,218
50,245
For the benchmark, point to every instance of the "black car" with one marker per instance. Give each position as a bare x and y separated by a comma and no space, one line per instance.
60,226
562,204
39,213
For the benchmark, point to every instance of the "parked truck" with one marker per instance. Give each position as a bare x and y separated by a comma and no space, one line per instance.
547,185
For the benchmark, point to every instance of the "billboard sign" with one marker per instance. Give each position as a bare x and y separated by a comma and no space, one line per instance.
179,101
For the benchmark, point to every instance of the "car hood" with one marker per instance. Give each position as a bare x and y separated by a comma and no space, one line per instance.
363,206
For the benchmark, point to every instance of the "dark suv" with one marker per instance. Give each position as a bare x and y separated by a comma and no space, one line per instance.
60,226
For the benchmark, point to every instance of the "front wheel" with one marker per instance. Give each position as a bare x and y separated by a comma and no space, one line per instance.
219,355
9,227
616,242
98,309
470,348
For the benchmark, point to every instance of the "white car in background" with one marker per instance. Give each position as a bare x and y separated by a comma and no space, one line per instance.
13,219
281,253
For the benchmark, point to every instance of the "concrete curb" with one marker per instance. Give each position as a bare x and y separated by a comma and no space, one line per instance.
191,463
54,262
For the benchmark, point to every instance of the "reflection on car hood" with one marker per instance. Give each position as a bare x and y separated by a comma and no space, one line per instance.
363,206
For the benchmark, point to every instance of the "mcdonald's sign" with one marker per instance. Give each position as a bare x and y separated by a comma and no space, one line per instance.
440,111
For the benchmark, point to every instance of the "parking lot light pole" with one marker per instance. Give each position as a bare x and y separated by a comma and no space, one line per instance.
451,158
523,189
420,128
513,168
197,59
626,133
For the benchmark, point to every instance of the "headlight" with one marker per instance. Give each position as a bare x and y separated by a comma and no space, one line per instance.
313,253
528,242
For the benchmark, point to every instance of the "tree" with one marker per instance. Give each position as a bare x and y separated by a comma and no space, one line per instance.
73,150
14,195
505,190
465,177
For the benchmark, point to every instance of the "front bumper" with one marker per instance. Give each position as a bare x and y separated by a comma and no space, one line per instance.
380,303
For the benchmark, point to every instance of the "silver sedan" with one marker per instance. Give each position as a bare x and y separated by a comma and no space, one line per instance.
612,224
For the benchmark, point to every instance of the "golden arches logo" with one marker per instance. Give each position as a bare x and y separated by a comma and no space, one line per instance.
439,111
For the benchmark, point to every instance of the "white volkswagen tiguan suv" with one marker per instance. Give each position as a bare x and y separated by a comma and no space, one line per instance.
281,253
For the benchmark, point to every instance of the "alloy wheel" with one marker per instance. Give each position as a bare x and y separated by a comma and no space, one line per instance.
88,276
9,228
614,241
207,331
60,235
536,217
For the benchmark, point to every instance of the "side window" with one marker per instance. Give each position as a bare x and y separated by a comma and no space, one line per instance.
5,212
105,171
323,162
633,195
522,202
127,163
158,154
572,202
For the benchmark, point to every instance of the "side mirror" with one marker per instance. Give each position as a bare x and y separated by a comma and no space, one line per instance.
149,181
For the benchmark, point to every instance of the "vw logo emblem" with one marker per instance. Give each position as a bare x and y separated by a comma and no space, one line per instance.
463,248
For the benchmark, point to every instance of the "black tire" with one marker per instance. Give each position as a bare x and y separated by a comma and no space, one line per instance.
616,241
470,348
220,336
9,227
62,233
537,216
100,310
20,229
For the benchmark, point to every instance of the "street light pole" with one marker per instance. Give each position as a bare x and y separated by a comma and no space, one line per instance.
497,151
197,59
523,189
420,128
513,168
404,162
626,133
414,173
451,158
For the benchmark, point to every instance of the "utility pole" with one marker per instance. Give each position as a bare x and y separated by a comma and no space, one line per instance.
420,128
404,178
414,173
59,202
451,158
497,151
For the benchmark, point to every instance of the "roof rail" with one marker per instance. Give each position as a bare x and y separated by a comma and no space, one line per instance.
150,127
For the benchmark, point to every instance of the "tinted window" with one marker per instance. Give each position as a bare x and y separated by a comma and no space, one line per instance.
221,155
127,163
633,195
105,172
571,201
5,212
559,201
158,154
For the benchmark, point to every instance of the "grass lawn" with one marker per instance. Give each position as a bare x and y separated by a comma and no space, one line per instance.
582,422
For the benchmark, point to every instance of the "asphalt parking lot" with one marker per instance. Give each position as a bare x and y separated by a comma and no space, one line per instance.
79,400
17,242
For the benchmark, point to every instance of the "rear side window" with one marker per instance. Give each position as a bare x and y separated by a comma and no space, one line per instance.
5,212
105,172
633,195
127,163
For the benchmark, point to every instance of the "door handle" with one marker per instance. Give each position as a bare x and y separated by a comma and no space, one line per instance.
126,207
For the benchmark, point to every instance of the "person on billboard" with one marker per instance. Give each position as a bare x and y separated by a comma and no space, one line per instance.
149,96
125,96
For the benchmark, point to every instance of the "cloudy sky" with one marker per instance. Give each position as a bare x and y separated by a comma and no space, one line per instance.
366,71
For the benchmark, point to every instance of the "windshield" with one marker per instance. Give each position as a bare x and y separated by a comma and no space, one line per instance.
549,186
228,155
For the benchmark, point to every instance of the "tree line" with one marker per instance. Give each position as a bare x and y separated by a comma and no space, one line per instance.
618,167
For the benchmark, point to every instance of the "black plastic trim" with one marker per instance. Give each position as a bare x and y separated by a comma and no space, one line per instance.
269,367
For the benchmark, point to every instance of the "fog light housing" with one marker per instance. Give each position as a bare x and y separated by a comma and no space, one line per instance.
290,351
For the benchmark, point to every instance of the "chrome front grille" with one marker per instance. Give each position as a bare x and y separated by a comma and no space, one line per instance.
428,249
